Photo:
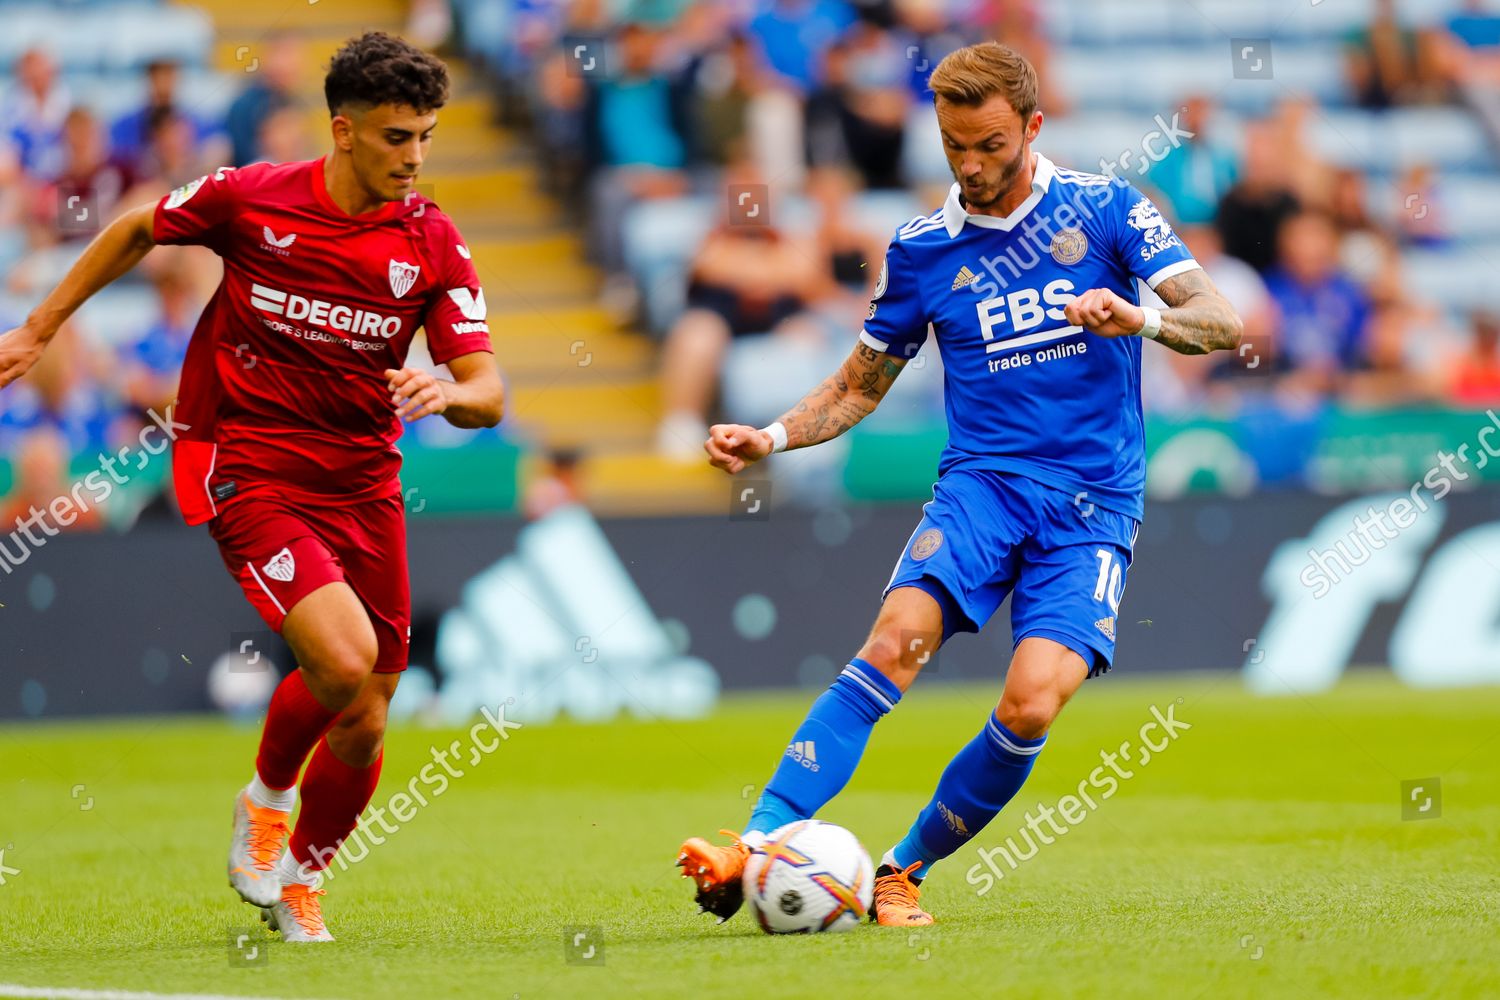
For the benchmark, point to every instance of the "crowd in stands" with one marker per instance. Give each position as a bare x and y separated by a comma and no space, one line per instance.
65,172
647,114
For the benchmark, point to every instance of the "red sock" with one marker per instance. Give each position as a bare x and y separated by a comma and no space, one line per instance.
333,796
294,722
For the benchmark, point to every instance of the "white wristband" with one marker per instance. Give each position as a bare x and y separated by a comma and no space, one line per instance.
1151,328
778,436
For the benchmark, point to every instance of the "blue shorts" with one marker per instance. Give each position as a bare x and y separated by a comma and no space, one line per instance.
986,535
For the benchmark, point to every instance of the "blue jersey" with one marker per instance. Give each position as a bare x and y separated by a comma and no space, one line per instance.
1025,392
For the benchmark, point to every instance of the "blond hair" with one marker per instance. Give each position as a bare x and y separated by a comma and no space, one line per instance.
973,74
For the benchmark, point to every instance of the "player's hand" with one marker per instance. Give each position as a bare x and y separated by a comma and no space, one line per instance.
416,394
19,350
732,447
1104,314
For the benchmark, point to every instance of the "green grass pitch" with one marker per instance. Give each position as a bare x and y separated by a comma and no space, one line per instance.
1262,854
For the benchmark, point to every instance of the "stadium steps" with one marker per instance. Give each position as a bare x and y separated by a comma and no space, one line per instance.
575,380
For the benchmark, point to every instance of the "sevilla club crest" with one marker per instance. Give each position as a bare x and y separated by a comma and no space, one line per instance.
403,276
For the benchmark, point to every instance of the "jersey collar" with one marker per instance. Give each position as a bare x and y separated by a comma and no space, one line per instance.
321,195
955,215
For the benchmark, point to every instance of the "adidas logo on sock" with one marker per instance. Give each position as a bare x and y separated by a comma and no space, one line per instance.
954,820
805,753
965,278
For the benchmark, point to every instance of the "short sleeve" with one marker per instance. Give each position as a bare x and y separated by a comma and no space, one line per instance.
897,322
455,320
198,212
1145,242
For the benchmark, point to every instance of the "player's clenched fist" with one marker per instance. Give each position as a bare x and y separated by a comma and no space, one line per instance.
732,447
19,350
416,394
1102,312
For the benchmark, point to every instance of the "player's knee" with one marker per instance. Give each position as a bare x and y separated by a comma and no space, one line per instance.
1029,716
342,670
357,738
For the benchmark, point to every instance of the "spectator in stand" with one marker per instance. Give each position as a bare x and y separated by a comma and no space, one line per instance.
1475,30
636,125
78,202
746,278
1251,213
41,477
725,83
1385,377
272,86
1420,218
172,156
131,132
32,113
1308,176
71,393
1472,379
1322,310
284,138
149,368
1194,175
794,35
1388,64
858,114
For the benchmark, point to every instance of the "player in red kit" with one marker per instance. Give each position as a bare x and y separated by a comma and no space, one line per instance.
292,399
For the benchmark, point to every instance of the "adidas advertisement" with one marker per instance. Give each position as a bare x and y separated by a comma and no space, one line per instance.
583,619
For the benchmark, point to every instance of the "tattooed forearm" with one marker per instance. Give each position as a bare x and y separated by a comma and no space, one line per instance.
843,399
1200,319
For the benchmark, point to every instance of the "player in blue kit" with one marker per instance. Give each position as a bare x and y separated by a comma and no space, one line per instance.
1027,277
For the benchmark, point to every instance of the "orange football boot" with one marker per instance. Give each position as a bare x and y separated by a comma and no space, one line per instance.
896,896
717,872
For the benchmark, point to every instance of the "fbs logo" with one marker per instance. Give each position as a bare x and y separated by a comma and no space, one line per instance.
282,566
954,820
1107,626
964,278
804,753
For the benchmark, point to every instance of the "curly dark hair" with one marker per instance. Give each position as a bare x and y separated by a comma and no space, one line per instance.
377,68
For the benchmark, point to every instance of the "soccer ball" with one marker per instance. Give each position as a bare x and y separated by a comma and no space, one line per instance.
808,877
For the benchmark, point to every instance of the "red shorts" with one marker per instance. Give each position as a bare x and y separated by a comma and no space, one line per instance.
280,552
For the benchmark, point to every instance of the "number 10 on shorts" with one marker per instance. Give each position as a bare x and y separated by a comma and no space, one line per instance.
1110,585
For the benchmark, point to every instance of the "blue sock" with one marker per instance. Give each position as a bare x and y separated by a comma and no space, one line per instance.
976,785
826,747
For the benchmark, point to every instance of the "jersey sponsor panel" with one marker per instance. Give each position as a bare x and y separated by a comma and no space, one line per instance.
1025,390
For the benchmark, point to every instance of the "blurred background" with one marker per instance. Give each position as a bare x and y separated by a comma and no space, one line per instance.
678,211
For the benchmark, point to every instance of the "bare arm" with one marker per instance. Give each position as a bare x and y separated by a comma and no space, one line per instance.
842,400
474,398
116,250
1199,319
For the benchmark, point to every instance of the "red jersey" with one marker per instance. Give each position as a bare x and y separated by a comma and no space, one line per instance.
283,389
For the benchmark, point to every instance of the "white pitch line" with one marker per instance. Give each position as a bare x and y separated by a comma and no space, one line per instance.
68,993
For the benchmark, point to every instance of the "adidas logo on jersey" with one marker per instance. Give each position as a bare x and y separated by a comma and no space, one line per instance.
804,753
964,278
1107,626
